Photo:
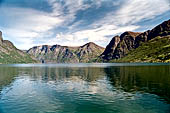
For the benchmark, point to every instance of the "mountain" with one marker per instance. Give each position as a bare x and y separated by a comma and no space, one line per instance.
10,54
155,50
65,54
121,46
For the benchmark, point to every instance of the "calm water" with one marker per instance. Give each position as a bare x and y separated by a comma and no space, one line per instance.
85,88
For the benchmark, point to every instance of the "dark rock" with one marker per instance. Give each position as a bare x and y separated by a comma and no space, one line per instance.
120,46
110,49
1,39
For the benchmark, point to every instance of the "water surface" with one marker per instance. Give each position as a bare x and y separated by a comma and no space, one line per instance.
85,88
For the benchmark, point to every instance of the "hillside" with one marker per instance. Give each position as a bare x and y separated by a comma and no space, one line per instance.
9,54
121,46
155,50
65,54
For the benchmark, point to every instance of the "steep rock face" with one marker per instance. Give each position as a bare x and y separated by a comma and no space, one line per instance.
65,54
110,49
10,54
160,30
1,37
121,46
127,43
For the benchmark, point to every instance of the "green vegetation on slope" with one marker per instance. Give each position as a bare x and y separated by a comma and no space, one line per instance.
9,54
14,57
155,50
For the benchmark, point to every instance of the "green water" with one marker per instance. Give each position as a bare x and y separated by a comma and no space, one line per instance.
85,88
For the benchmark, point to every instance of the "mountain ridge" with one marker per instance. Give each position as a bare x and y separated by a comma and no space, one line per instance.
120,49
121,45
66,54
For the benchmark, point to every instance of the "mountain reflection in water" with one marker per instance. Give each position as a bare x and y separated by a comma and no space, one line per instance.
102,89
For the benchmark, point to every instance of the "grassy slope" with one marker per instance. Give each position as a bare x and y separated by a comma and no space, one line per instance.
12,55
15,58
155,50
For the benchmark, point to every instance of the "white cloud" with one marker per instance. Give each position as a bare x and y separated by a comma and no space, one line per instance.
133,11
71,7
124,19
98,35
24,39
30,19
26,25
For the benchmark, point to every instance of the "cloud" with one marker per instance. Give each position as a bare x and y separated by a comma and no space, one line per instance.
27,24
67,9
123,19
134,11
126,18
28,27
98,35
37,21
23,39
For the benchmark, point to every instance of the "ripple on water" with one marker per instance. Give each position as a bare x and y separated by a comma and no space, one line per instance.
101,89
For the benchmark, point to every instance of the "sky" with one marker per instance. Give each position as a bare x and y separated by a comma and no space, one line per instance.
29,23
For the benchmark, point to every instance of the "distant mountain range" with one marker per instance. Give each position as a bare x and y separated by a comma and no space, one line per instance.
150,46
65,54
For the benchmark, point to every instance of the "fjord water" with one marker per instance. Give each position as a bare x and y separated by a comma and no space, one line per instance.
85,88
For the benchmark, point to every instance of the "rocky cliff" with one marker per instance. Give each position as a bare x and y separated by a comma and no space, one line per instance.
121,45
10,54
66,54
